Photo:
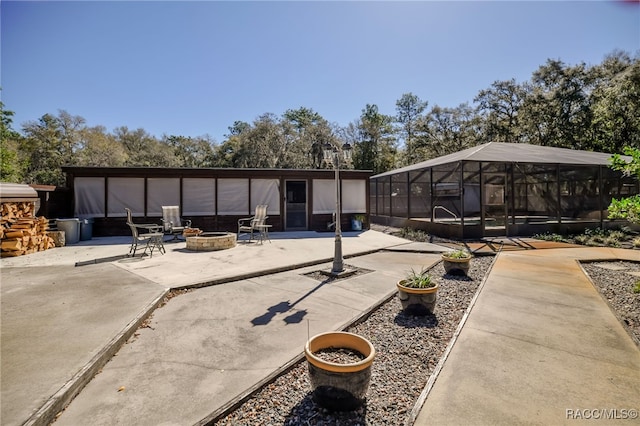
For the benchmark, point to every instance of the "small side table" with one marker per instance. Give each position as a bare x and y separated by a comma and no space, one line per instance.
263,231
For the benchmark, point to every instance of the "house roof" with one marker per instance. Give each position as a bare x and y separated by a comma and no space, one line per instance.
502,152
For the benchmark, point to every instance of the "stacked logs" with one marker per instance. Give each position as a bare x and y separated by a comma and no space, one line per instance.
20,232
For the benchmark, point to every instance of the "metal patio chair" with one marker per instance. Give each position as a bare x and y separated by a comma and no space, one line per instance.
257,222
173,224
147,234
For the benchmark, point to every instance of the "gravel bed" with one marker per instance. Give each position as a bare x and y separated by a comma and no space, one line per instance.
339,355
408,350
616,283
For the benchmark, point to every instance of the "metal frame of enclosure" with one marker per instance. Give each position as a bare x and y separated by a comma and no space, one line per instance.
214,199
501,189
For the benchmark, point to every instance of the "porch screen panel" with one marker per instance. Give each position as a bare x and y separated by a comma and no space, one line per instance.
615,185
89,195
579,193
536,192
372,197
162,192
471,191
399,195
446,191
125,192
324,196
354,196
198,197
266,191
420,194
384,201
233,197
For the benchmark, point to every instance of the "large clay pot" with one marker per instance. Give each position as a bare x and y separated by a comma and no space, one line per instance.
339,387
455,266
417,301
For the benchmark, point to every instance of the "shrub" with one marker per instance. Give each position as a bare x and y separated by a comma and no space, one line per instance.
420,279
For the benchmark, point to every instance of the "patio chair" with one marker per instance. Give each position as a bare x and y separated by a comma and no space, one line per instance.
147,234
257,222
173,224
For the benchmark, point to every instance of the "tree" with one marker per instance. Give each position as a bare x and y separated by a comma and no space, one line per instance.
144,150
11,170
49,144
375,150
450,130
311,131
190,152
409,109
500,105
100,149
556,112
626,208
615,103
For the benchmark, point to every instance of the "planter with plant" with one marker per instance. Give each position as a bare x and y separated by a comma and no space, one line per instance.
357,222
456,262
339,369
417,293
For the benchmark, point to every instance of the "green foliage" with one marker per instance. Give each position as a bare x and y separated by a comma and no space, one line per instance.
409,113
636,288
414,235
420,279
595,237
550,236
374,148
457,254
625,208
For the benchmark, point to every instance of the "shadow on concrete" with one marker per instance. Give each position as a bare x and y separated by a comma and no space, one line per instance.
286,306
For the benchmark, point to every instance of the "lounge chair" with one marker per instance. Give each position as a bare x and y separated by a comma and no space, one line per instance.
173,224
147,234
257,222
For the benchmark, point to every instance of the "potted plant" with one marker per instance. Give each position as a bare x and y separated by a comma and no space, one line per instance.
456,262
340,369
357,221
417,293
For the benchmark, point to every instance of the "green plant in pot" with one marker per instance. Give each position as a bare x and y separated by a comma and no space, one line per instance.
457,262
417,293
357,221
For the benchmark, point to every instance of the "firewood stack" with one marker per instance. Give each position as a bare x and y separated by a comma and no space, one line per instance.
21,232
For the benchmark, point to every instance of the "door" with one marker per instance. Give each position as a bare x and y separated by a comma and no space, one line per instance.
295,205
495,204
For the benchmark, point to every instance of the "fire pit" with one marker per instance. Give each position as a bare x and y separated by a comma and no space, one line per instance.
211,241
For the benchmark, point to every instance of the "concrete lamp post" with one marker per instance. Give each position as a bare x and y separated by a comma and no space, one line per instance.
334,155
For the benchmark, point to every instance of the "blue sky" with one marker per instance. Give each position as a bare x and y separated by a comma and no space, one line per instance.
193,68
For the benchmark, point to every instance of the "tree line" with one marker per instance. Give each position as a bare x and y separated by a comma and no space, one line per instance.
586,107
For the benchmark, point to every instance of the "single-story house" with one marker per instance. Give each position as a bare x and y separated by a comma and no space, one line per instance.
215,198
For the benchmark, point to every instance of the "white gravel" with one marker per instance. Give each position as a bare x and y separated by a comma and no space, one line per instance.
615,281
408,349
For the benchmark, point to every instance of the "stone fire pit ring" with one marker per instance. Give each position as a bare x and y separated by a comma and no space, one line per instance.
211,241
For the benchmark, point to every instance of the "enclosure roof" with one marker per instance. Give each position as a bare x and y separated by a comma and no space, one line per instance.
512,153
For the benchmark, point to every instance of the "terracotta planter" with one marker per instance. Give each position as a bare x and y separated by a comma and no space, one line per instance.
417,301
455,266
339,387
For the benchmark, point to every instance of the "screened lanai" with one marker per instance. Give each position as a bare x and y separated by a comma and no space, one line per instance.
498,189
214,199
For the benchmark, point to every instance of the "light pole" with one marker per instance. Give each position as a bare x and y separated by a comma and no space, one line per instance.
333,155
